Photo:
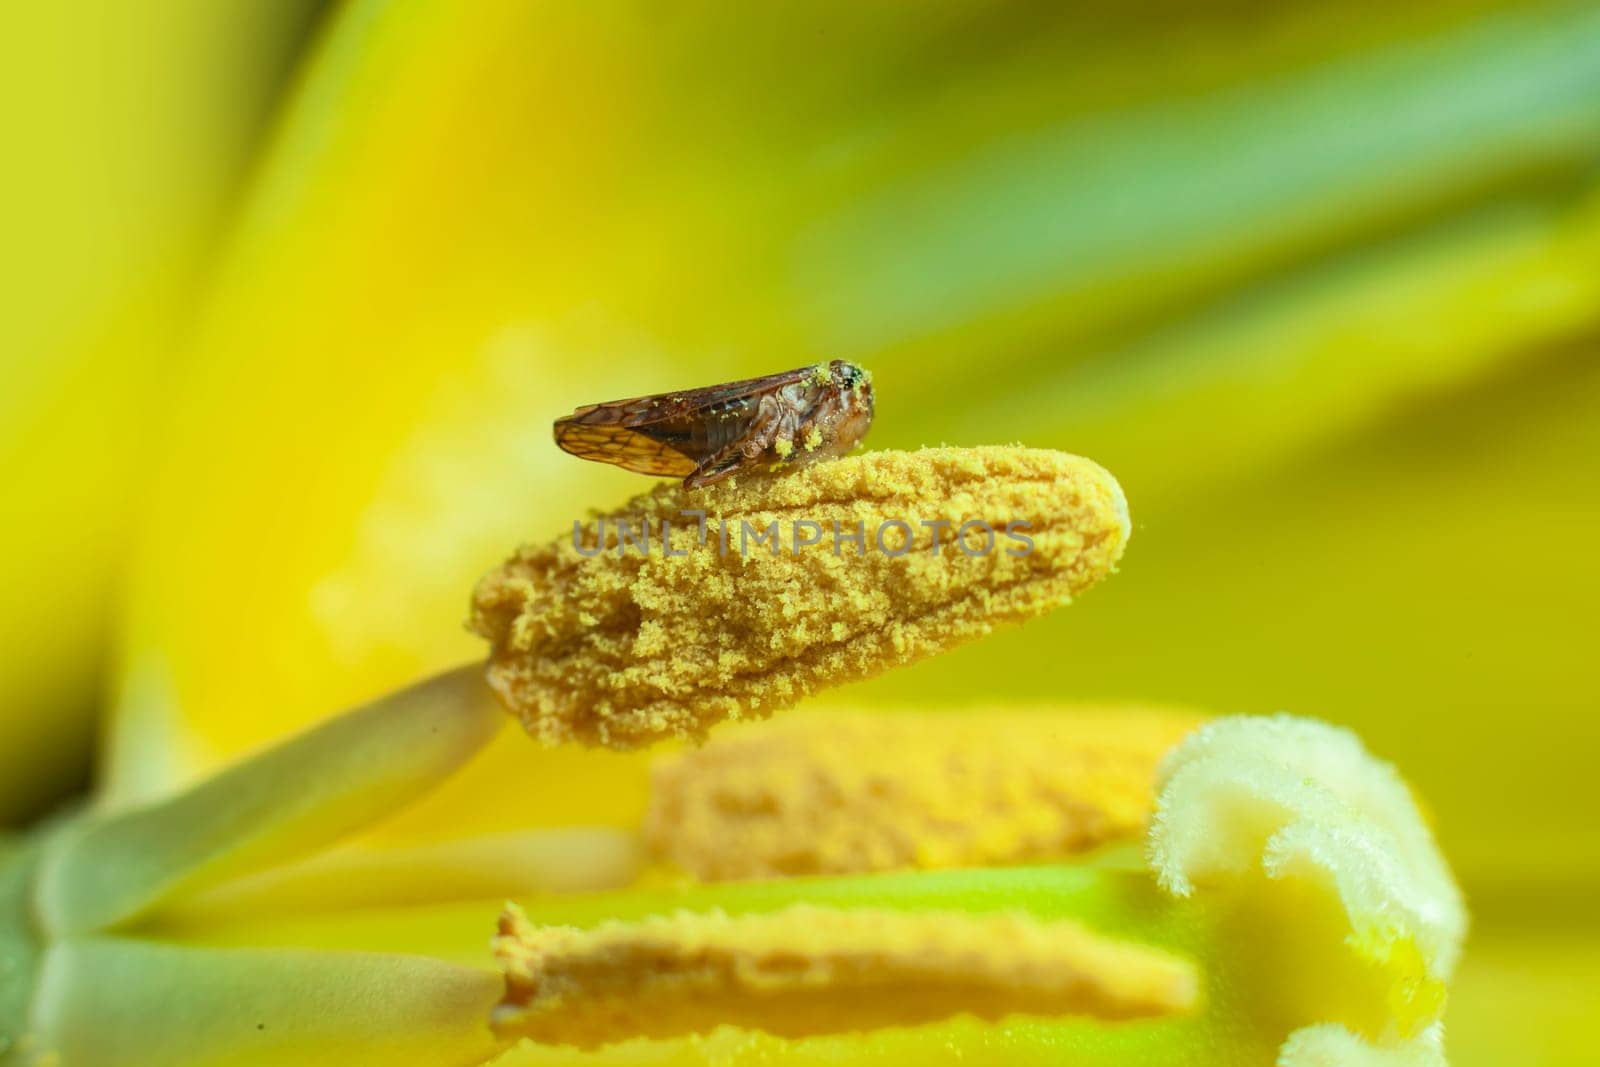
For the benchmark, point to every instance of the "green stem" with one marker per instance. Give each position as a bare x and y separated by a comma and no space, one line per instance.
287,802
19,943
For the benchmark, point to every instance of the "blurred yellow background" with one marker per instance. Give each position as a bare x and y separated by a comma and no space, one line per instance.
294,292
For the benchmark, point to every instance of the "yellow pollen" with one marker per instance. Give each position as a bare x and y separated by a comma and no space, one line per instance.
783,447
809,970
813,439
854,792
685,642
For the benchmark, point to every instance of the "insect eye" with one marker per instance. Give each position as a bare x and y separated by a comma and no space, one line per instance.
849,374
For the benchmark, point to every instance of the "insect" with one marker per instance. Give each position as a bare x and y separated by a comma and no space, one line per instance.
704,435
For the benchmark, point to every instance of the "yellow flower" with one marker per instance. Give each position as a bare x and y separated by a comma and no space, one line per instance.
1293,896
1317,282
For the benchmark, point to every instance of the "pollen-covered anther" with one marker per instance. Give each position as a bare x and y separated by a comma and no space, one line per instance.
623,632
808,970
841,792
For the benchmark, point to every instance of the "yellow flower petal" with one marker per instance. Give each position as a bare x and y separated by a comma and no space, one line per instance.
134,128
613,646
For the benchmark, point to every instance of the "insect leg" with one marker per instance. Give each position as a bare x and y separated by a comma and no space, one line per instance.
765,427
786,428
716,467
